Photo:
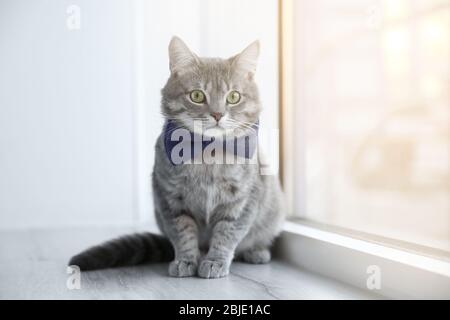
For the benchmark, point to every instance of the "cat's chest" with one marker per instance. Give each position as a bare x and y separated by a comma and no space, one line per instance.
203,188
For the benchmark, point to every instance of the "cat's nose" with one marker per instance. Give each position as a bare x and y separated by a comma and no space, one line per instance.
217,115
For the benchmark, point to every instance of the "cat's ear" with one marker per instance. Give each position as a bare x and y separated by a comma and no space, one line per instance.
180,56
247,60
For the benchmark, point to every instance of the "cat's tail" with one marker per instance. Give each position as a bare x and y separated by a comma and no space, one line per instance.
125,251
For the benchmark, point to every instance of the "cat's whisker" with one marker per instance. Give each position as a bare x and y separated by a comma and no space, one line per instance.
240,124
252,124
246,122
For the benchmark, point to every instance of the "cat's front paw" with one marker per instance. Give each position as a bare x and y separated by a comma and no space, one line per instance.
213,269
183,268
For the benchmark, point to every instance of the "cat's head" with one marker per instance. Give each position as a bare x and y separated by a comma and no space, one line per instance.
212,96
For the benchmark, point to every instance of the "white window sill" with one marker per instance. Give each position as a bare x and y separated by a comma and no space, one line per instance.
403,272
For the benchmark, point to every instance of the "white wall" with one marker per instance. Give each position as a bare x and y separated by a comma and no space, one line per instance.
65,114
79,110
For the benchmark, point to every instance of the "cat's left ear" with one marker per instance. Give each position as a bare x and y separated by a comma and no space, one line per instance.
247,60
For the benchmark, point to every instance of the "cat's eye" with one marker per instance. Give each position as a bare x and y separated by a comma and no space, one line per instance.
233,97
197,96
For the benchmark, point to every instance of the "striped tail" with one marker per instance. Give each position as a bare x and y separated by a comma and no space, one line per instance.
125,251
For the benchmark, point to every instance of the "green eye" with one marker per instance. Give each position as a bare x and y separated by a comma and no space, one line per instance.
197,96
233,97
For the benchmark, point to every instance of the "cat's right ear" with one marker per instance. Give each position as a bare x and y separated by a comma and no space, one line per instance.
246,61
181,58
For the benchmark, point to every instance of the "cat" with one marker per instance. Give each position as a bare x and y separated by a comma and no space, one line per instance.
209,213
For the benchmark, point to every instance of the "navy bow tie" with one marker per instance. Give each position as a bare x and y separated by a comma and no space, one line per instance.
182,145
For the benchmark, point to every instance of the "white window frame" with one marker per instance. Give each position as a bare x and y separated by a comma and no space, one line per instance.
406,270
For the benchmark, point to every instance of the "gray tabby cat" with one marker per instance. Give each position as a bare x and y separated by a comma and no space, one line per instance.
208,213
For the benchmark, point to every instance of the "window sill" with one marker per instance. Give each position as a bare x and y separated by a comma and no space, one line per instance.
403,272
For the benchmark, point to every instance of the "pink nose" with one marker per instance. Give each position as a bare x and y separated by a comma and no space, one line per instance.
217,115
